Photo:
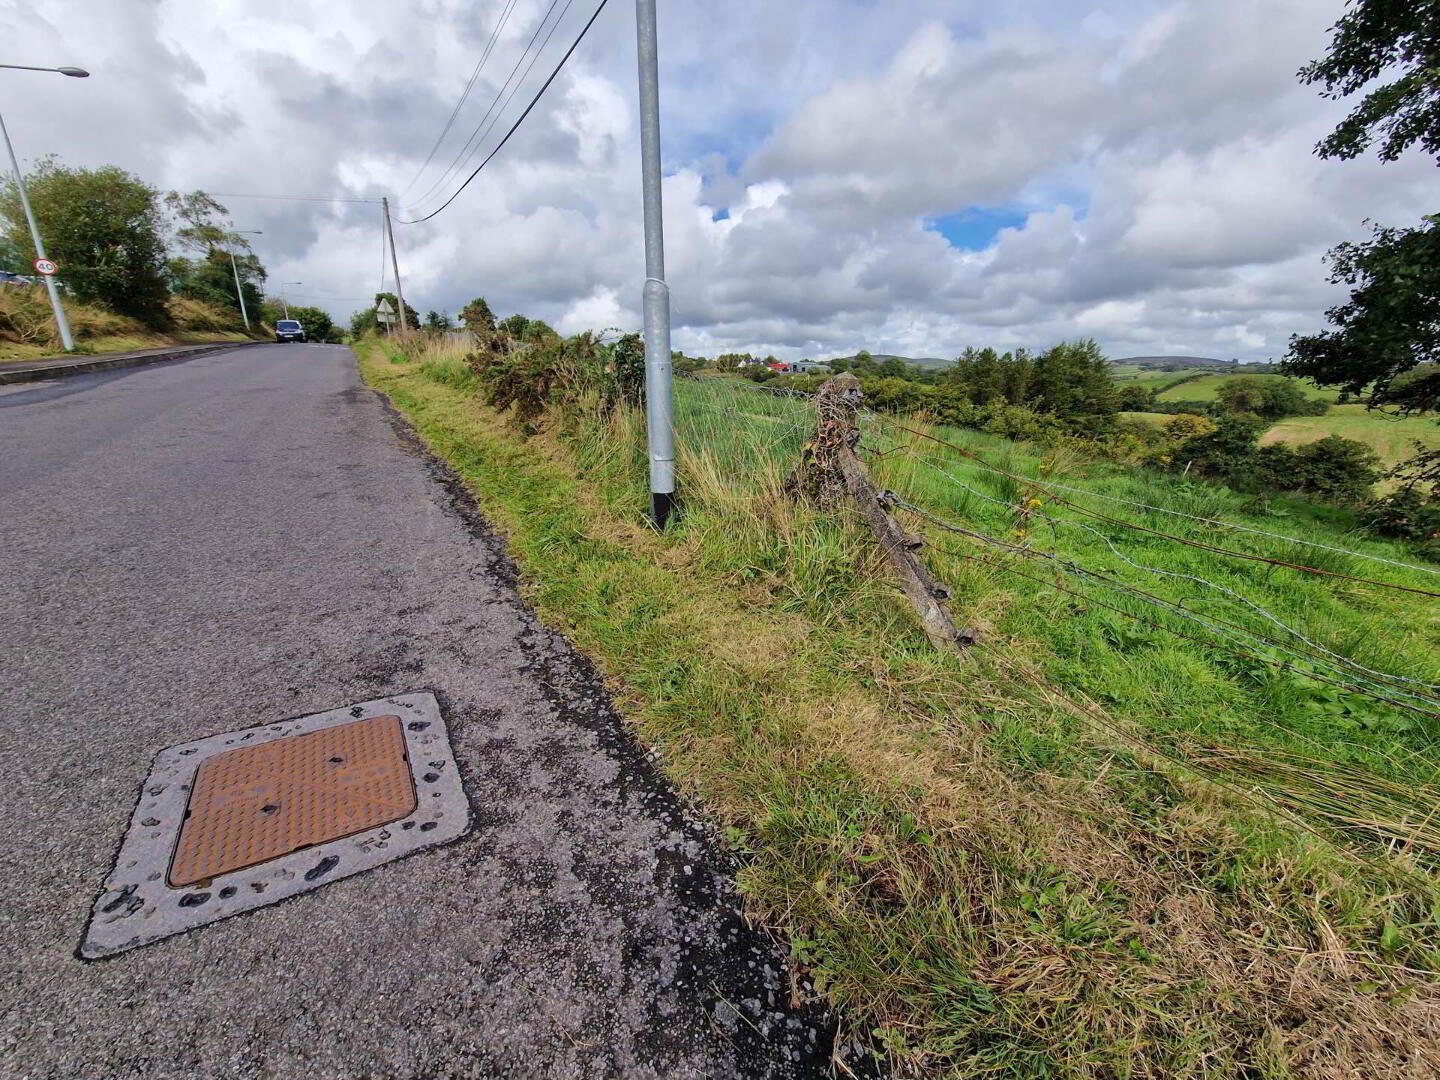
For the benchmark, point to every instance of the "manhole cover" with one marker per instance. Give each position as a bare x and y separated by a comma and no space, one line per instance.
242,819
249,805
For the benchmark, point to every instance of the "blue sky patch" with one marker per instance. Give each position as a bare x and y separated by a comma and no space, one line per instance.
975,228
723,214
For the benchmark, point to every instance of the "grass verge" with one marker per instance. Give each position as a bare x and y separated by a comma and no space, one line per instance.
990,885
27,327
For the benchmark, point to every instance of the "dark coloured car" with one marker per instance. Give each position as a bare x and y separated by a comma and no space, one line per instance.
289,330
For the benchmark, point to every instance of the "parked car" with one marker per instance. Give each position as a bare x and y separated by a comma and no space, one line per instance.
7,278
289,330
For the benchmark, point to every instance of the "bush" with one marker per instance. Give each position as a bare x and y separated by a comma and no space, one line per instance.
1408,514
531,378
1336,470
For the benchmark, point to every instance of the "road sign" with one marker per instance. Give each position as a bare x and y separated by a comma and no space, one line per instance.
382,308
385,316
44,266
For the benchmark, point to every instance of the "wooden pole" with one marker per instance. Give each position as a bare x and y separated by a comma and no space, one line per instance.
831,473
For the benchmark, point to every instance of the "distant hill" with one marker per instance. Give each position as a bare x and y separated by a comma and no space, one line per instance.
1172,362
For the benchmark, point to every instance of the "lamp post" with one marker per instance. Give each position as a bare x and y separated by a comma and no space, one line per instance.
60,323
239,292
283,302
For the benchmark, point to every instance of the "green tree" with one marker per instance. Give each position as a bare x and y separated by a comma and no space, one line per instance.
1135,398
317,322
476,315
1391,323
367,322
1335,469
437,321
104,228
1265,396
201,225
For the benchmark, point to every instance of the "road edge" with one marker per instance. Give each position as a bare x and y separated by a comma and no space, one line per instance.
88,367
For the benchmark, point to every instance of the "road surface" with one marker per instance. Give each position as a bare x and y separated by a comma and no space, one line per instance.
248,536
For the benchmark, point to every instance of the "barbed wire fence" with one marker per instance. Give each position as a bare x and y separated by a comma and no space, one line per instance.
1204,602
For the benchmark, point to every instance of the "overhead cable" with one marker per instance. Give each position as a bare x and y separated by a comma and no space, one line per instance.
534,101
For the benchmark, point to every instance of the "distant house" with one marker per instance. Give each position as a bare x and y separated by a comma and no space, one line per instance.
800,367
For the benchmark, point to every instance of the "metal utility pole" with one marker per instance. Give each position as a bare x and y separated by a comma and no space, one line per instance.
239,292
395,265
60,322
656,298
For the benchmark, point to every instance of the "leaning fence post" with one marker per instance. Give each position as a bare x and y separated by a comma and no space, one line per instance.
831,473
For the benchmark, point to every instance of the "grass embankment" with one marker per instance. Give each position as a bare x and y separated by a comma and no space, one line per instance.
1393,438
994,874
27,327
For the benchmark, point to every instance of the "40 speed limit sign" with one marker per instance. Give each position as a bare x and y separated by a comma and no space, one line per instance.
44,266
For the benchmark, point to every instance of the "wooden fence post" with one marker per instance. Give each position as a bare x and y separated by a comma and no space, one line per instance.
831,473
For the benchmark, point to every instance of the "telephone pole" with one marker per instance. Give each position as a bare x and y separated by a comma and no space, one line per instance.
395,265
656,298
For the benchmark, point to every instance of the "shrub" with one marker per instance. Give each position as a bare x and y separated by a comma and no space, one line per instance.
1335,469
1408,514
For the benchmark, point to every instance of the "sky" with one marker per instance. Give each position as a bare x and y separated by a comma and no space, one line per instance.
910,177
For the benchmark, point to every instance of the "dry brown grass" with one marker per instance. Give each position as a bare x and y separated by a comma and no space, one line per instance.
27,326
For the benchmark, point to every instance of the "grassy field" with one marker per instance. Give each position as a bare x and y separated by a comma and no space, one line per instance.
1393,439
1156,380
1206,387
1088,848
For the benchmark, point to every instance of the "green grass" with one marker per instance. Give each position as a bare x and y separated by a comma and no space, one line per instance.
1157,380
1206,387
1393,439
1069,854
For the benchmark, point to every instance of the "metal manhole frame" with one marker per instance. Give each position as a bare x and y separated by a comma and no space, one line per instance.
138,907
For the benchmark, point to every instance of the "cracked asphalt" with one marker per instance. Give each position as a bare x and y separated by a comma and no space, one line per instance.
247,536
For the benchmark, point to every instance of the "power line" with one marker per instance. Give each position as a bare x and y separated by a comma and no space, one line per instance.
476,135
465,96
534,101
293,198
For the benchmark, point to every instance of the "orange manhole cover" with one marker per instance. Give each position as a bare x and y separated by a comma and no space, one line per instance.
260,802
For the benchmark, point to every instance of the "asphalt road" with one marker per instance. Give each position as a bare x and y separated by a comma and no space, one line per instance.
247,536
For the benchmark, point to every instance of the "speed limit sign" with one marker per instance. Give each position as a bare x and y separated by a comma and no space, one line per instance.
45,266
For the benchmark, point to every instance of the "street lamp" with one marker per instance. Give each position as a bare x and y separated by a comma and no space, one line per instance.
283,302
60,324
239,292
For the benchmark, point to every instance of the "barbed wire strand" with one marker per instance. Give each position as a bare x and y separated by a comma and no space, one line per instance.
1204,582
1156,532
1214,624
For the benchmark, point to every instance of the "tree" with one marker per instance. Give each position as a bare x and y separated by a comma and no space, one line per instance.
367,322
1265,396
1391,323
317,322
437,321
1184,426
1336,470
476,315
1135,398
105,230
201,225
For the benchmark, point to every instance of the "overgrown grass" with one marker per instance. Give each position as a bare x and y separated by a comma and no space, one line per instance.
997,875
27,326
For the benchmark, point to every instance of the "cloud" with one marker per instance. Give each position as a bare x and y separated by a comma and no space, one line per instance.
1151,160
